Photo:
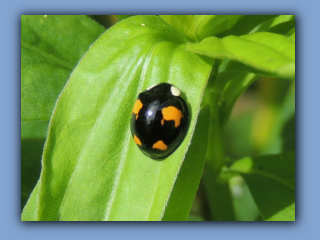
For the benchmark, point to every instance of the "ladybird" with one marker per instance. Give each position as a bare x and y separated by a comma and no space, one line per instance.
159,120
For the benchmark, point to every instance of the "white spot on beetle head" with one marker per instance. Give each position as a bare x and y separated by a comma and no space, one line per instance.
151,87
175,91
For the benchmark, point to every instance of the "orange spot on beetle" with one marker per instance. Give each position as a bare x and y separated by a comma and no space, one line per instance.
160,145
136,140
136,108
172,113
162,122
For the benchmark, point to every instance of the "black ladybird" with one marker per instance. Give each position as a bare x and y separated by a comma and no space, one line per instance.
159,121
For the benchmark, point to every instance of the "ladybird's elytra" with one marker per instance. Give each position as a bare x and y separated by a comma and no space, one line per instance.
159,121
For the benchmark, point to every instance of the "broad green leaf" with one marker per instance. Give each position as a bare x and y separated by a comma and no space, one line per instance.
183,23
211,25
92,169
51,46
186,185
267,52
271,180
30,211
287,214
276,42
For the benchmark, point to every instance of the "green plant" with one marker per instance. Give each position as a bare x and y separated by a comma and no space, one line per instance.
91,168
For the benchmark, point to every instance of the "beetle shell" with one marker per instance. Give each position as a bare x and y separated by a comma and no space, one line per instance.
159,120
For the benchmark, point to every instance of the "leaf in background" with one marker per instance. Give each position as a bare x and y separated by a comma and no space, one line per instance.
288,122
92,169
219,197
194,218
244,206
121,17
34,129
277,106
51,46
238,83
198,27
105,20
31,151
268,52
280,24
261,23
186,185
287,214
292,34
33,135
271,180
246,24
212,25
183,23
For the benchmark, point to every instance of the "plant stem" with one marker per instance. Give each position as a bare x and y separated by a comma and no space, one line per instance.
215,151
218,192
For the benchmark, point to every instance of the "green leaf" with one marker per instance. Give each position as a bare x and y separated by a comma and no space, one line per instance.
267,52
30,211
271,180
246,24
292,34
51,46
183,23
288,122
287,214
238,83
280,24
245,208
219,197
92,169
211,25
198,27
186,185
279,108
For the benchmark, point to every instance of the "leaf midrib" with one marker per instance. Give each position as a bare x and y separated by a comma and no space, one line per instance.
269,47
121,163
271,176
